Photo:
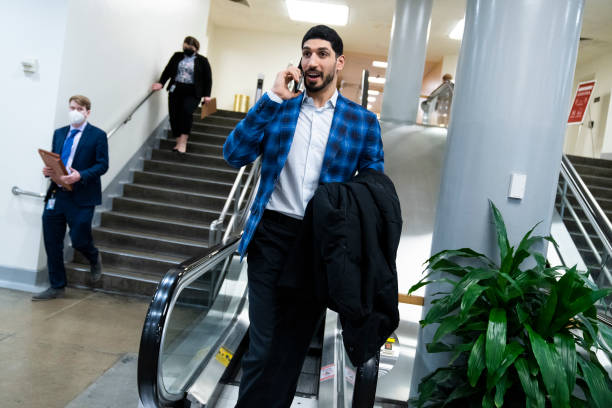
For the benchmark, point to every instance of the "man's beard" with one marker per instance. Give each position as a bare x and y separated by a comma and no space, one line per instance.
326,80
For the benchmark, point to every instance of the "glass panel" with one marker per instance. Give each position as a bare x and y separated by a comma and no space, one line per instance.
198,320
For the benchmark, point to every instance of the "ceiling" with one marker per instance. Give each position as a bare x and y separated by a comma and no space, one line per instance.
370,22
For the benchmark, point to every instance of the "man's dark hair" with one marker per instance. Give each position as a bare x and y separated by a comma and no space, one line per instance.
323,32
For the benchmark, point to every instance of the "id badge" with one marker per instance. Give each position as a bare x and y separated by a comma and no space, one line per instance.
172,88
51,204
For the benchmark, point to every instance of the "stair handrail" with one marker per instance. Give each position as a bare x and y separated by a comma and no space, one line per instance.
129,115
594,213
150,384
18,191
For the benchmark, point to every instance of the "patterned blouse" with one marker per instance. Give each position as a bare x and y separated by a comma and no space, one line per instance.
185,70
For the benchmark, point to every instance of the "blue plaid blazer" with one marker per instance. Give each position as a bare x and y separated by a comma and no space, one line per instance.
354,144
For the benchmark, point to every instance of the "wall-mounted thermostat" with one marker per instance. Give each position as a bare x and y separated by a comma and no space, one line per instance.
30,65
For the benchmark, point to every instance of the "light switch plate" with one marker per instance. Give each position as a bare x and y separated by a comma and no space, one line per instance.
517,186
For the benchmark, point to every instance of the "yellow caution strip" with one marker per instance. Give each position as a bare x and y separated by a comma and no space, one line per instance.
224,356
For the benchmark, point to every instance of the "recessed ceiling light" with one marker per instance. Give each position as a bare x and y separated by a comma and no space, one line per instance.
457,32
373,92
371,98
317,12
380,64
376,80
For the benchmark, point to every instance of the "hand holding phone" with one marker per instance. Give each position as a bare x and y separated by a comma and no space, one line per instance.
282,81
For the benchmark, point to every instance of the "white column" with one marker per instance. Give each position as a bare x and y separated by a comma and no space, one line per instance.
510,109
406,60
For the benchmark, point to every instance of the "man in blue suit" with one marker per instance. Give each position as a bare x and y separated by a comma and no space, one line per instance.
83,149
304,139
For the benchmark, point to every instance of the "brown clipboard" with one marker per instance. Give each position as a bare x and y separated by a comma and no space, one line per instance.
54,161
209,108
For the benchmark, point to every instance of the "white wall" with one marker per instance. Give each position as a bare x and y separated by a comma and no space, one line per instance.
111,51
592,142
236,57
115,50
27,116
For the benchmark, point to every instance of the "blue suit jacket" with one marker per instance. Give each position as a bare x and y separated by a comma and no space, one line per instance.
90,160
354,144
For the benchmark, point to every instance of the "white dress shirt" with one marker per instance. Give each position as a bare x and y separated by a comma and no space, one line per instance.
299,178
75,143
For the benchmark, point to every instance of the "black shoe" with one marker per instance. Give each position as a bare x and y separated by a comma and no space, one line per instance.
175,150
96,270
51,293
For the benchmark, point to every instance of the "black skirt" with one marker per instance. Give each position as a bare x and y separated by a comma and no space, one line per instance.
182,102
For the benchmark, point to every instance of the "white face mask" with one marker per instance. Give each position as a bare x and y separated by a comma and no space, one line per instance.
75,117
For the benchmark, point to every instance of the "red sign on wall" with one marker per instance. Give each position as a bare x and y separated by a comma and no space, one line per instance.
581,102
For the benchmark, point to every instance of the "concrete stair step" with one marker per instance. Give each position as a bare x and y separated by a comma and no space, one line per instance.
593,170
190,184
598,182
174,196
175,213
190,158
133,283
152,225
225,113
212,129
225,175
113,280
589,161
207,138
134,260
193,147
158,243
216,120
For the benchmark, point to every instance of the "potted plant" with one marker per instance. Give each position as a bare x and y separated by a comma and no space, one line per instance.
519,336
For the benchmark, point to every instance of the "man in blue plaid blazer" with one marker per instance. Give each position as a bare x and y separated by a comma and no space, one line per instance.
304,139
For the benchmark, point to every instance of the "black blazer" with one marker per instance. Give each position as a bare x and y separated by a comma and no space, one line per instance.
202,75
345,256
91,161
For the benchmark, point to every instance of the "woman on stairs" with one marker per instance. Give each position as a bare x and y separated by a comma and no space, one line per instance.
190,81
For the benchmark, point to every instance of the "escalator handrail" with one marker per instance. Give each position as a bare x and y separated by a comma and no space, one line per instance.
168,290
588,204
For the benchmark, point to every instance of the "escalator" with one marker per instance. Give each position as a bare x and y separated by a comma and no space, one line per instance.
190,353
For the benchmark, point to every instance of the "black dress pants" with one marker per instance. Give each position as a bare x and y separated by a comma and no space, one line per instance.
78,218
282,321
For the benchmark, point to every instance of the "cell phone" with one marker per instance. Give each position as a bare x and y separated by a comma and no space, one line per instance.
299,85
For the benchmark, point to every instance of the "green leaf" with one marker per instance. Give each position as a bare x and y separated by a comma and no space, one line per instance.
448,325
566,348
522,314
500,390
513,350
600,391
476,361
495,343
547,312
606,334
461,392
577,306
517,288
534,396
500,229
487,401
552,374
470,297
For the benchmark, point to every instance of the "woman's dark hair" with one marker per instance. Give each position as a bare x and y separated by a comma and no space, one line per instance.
189,40
326,33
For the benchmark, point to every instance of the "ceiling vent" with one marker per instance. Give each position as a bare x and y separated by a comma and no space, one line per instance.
243,2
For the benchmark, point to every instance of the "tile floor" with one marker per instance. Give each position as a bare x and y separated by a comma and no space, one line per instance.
50,352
